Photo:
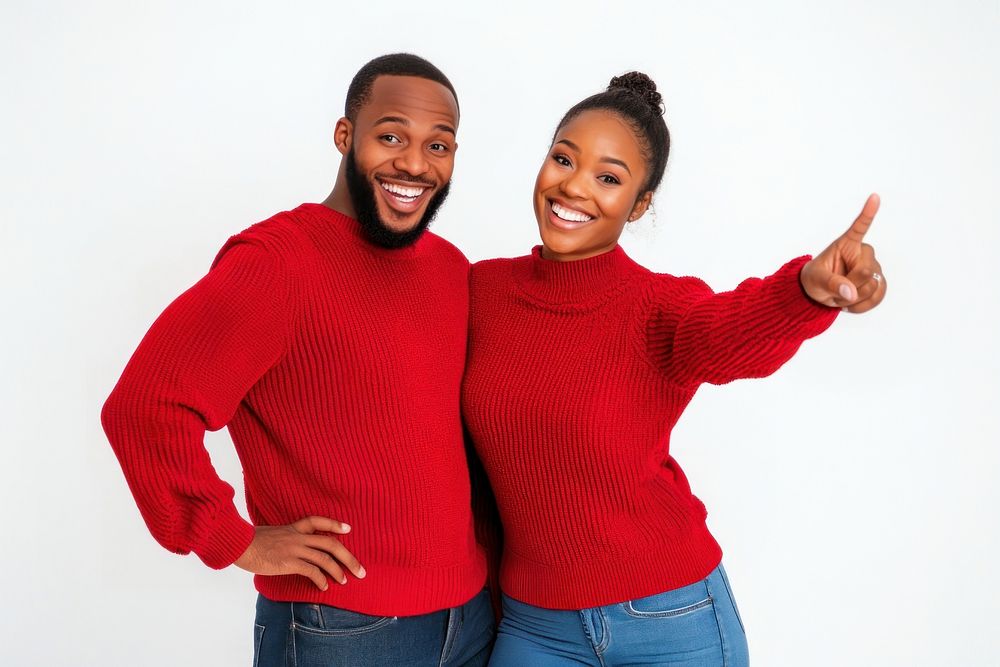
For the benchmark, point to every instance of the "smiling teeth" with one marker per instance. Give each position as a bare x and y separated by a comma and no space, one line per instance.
569,215
410,193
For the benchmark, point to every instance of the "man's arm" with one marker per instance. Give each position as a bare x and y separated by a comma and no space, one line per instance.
188,375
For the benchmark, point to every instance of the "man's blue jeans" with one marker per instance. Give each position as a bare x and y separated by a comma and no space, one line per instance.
693,626
294,634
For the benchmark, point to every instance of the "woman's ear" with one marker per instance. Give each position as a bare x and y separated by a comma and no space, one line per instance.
641,204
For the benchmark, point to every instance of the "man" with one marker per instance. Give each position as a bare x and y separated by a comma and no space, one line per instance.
331,340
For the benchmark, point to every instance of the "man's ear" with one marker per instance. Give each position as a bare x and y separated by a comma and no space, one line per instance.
641,204
343,135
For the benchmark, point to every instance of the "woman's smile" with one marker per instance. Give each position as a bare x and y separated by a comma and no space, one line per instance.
566,217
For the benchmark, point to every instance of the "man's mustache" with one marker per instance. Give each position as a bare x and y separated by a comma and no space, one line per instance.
408,178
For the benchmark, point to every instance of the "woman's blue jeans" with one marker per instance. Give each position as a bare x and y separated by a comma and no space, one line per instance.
293,634
693,626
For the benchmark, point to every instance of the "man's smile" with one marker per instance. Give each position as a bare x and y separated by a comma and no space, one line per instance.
403,198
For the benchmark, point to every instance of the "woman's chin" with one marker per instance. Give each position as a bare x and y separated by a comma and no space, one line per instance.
559,247
556,241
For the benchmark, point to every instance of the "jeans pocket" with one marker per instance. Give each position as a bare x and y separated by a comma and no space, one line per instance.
677,602
678,627
322,636
321,619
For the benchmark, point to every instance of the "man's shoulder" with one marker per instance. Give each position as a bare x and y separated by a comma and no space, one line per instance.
279,236
281,233
446,250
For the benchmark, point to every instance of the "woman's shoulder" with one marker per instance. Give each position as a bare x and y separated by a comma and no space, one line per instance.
668,293
668,282
485,264
496,267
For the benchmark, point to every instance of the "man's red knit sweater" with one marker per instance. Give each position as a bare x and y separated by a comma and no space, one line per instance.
337,366
577,373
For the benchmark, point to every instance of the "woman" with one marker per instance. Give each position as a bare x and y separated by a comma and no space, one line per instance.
581,362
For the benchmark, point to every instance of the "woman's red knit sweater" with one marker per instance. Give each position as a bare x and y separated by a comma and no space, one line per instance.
577,373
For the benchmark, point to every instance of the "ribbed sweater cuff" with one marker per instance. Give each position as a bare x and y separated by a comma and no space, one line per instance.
225,541
801,317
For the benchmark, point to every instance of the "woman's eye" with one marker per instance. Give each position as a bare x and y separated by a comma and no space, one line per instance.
607,179
561,159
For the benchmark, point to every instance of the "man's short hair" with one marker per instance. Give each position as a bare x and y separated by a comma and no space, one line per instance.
393,64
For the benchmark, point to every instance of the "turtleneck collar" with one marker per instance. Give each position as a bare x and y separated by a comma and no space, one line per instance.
578,282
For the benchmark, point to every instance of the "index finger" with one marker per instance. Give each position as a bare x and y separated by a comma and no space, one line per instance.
312,524
864,220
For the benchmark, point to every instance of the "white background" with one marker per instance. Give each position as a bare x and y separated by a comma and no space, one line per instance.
855,492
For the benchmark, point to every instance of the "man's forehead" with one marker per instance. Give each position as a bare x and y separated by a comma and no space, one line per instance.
410,95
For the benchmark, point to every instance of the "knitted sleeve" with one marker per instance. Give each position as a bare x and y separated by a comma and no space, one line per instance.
188,375
697,336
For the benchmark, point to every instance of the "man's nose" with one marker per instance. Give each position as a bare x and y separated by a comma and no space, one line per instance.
412,161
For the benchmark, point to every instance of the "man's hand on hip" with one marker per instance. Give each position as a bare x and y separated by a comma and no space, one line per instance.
302,548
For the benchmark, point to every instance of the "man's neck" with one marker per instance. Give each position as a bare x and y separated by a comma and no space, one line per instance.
340,198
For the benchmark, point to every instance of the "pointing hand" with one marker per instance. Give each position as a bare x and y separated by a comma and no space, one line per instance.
846,274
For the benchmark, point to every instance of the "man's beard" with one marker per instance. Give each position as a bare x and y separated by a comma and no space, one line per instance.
366,209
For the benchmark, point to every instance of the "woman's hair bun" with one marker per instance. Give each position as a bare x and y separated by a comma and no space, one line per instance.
641,85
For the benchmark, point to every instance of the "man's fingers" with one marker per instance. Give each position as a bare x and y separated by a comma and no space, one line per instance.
312,524
337,549
326,562
312,572
861,224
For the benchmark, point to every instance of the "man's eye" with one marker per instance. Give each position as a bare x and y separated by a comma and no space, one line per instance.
392,139
439,148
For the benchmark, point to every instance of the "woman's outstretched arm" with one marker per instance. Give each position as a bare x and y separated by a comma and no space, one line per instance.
697,336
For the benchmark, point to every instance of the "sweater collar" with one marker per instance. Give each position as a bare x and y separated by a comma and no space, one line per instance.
577,282
327,216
